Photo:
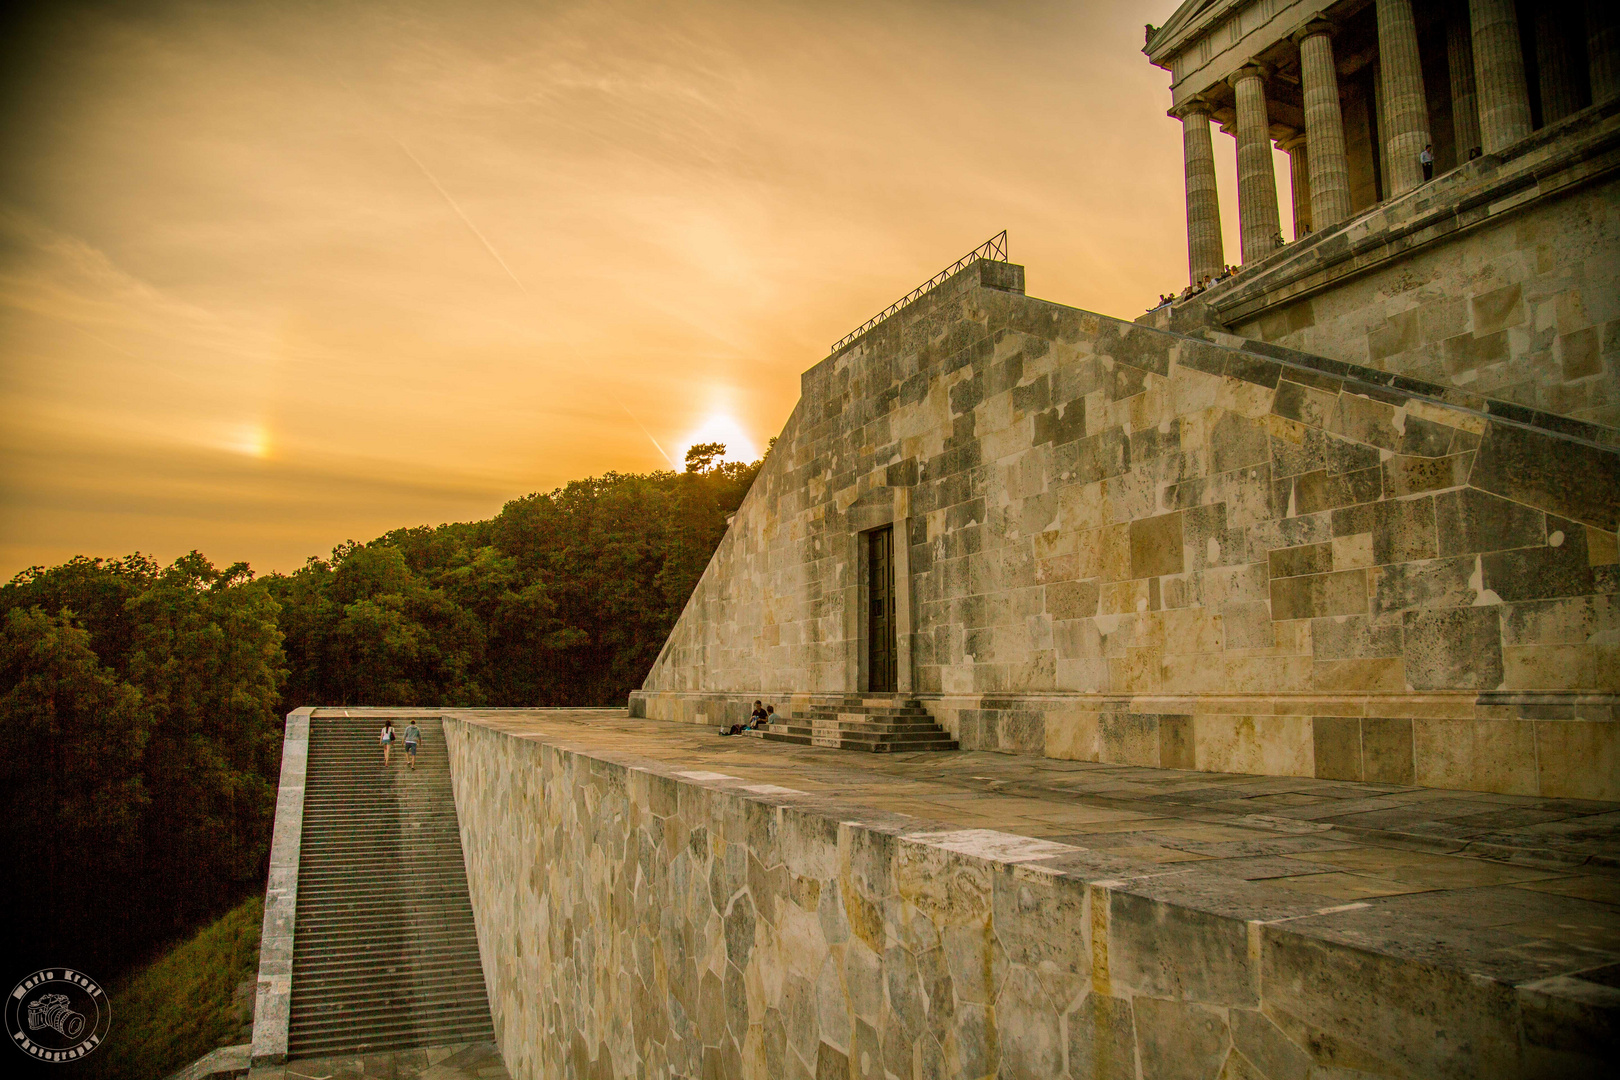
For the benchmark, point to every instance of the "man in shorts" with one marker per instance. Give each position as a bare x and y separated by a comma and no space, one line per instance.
413,735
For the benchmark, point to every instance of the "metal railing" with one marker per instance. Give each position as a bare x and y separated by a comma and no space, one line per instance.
993,249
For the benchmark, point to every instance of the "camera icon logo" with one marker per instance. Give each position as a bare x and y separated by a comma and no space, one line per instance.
57,1015
52,1010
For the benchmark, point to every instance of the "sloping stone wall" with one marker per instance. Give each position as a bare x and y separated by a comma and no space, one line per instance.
1127,545
637,921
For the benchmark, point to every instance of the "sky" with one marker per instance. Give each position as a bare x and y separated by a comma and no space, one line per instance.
274,276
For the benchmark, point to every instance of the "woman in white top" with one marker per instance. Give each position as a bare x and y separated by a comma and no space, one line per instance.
387,740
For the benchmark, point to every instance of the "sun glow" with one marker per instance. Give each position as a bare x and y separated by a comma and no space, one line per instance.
719,428
249,440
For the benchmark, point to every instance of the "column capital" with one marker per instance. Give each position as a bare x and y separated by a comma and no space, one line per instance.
1198,103
1291,142
1253,69
1317,25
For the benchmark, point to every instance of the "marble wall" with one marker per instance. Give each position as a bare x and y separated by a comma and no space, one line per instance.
1123,544
636,921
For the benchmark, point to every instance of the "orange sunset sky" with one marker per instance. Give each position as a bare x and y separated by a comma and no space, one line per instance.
277,275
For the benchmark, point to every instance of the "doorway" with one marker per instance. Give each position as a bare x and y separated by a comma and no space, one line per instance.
880,625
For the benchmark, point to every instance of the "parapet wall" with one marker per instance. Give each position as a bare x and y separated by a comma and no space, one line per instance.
1130,546
637,920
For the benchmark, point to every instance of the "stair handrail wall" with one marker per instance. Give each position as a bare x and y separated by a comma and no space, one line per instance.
272,1012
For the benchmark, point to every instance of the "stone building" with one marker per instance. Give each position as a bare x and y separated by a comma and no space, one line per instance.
1117,543
1349,513
1499,273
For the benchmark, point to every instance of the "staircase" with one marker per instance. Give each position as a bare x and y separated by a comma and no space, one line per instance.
879,724
385,956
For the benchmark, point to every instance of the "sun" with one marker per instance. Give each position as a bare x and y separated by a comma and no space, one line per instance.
720,428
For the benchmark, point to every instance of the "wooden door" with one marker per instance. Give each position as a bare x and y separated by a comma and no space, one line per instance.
880,629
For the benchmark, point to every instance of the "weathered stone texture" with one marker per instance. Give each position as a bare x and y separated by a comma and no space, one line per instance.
639,921
1526,309
1105,519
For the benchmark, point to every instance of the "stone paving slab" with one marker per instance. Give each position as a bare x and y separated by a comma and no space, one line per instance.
464,1061
1517,888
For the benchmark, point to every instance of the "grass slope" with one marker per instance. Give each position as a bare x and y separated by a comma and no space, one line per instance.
180,1007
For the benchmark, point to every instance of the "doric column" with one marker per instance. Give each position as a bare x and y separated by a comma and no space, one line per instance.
1555,67
1299,180
1205,254
1405,107
1504,101
1258,221
1328,168
1603,49
1460,59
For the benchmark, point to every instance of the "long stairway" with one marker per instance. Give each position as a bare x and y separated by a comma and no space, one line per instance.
879,724
385,955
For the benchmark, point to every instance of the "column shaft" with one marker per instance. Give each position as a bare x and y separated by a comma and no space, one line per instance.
1555,67
1405,106
1603,49
1299,179
1329,169
1258,218
1464,101
1205,254
1504,100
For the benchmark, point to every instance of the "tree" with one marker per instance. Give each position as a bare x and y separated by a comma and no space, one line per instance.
97,591
700,457
72,795
207,656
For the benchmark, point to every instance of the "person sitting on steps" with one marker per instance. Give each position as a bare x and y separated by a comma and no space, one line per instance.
759,718
387,740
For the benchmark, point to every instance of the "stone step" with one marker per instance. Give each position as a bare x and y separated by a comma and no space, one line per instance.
403,969
419,939
860,725
875,744
861,719
857,735
342,988
401,1034
338,981
382,992
865,710
407,1037
376,1014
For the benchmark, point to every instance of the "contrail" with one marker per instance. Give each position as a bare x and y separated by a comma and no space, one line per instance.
465,220
489,247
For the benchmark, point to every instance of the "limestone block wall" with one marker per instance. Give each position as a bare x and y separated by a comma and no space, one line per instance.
1127,545
1526,310
640,922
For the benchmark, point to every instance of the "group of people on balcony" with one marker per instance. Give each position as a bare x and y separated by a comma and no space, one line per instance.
1195,288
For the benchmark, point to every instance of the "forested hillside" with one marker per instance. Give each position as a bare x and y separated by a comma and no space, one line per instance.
141,705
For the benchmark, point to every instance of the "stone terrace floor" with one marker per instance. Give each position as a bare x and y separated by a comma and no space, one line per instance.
1515,887
466,1061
